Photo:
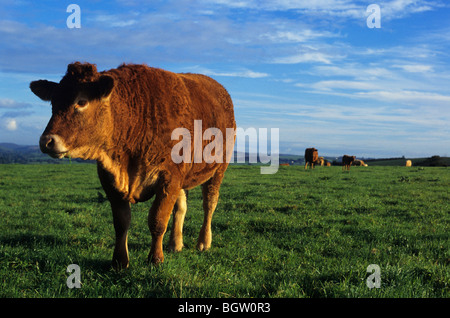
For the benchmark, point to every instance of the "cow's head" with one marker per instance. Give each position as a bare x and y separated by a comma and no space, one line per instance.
80,111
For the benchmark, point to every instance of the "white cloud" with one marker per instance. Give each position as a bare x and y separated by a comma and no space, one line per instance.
244,73
326,6
7,103
317,57
392,92
415,68
114,20
354,70
408,96
348,9
240,73
346,85
399,8
11,124
300,36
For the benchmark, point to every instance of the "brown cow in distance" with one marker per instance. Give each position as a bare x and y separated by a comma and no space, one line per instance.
347,162
311,157
124,118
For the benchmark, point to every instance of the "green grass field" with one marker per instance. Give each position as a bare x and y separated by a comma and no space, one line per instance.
292,234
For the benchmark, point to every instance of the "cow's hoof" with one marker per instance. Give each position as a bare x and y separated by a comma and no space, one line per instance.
155,259
175,247
202,246
204,241
118,265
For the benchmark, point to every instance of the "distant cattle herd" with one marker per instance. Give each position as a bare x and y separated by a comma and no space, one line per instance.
312,158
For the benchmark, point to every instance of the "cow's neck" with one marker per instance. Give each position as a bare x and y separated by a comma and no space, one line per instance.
131,173
127,156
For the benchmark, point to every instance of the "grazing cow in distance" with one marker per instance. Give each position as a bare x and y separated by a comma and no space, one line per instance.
311,156
347,161
358,162
328,164
320,161
124,119
408,163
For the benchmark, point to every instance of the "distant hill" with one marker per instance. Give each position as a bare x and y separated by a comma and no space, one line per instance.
434,161
12,153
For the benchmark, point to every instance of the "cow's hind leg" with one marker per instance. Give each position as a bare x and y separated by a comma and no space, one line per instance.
176,236
210,191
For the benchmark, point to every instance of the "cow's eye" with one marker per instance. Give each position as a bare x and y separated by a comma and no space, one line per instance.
82,103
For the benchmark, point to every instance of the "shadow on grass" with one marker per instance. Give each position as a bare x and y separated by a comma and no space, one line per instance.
31,240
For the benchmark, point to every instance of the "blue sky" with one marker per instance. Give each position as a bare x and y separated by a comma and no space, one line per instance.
313,69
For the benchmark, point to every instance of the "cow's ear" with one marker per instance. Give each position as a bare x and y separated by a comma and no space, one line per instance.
105,85
43,89
101,88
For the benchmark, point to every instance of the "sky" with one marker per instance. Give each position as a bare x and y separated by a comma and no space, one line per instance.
314,69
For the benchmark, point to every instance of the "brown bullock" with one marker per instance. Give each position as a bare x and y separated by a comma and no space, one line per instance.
124,118
347,161
311,156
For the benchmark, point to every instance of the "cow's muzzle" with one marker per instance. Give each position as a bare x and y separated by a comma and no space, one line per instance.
53,146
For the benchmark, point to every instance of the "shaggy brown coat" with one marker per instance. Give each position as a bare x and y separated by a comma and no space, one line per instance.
124,118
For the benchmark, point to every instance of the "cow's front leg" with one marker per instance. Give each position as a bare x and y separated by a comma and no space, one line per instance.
122,218
159,217
121,211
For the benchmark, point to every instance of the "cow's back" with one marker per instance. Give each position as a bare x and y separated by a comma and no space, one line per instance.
160,101
209,101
